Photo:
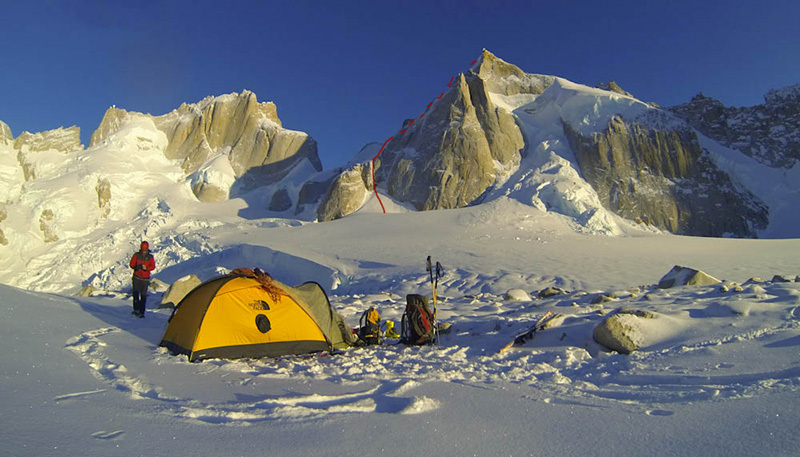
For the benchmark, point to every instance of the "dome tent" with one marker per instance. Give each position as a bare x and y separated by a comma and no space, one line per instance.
249,314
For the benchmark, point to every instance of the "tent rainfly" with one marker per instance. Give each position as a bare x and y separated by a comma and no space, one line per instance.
250,315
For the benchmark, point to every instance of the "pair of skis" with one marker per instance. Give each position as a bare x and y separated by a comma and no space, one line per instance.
530,333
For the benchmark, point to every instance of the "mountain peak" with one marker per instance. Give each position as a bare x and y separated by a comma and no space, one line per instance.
789,94
504,78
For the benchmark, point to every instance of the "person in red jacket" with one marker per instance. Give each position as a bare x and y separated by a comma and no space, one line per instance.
142,263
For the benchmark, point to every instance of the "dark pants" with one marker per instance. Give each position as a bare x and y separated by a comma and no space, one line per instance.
140,295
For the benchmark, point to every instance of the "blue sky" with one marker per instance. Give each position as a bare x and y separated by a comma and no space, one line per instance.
349,72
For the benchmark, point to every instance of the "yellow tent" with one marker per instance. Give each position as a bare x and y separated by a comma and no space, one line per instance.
249,315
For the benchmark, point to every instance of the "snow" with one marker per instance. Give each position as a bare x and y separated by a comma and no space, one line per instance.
548,176
80,376
217,172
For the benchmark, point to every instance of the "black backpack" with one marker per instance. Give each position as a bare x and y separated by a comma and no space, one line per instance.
418,325
369,331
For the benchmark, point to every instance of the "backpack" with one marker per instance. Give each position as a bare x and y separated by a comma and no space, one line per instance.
418,324
369,331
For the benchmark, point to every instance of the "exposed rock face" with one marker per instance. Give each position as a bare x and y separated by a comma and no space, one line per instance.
311,193
3,216
104,197
347,193
112,121
770,132
614,87
280,201
259,151
29,144
456,152
250,131
46,225
664,178
213,181
504,78
60,139
683,276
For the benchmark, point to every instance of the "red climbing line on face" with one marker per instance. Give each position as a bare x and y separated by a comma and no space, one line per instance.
374,184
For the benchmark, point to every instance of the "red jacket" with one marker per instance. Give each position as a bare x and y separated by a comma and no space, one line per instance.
142,263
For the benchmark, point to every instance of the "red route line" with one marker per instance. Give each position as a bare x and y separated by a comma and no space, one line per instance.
374,184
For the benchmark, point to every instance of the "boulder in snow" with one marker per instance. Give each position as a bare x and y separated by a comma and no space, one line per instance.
157,285
683,276
603,298
517,295
178,290
620,332
87,291
780,278
551,292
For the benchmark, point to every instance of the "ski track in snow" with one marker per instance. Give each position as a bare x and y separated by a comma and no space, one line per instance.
562,365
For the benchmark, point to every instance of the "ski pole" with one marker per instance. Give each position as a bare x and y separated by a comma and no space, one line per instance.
429,269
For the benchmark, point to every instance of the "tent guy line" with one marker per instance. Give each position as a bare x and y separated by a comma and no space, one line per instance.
374,184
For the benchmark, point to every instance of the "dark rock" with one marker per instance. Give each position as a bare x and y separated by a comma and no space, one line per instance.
281,201
551,292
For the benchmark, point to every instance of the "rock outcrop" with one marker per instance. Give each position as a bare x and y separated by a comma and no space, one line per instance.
28,145
684,276
3,216
103,189
504,78
311,194
280,201
458,150
249,131
60,139
663,178
770,132
113,119
346,193
47,226
612,86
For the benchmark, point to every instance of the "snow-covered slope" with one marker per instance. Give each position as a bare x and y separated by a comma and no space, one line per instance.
82,377
549,177
69,212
